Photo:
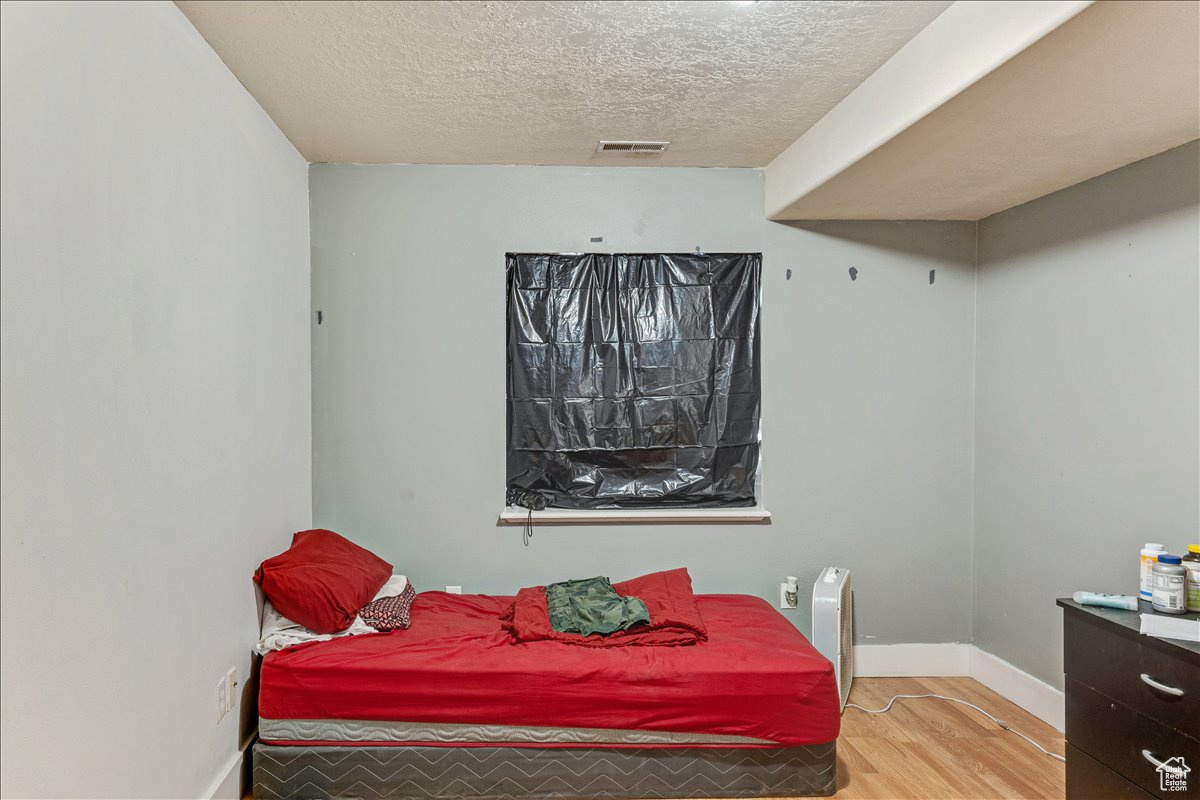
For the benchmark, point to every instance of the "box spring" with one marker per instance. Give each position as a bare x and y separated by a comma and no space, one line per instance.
500,773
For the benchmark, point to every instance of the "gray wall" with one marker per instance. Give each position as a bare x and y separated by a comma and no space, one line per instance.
1087,376
155,411
867,404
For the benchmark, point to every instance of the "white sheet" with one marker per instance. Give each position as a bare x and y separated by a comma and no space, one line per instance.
279,632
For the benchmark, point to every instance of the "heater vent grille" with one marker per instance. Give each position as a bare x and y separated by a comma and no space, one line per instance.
631,147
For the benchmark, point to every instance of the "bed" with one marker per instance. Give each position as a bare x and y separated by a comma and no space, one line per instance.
452,708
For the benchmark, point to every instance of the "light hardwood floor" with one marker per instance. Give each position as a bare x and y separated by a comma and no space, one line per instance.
935,749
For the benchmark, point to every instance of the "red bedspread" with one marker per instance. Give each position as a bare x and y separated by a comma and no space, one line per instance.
755,676
674,617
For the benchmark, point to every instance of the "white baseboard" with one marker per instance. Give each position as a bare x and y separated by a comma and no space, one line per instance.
911,660
228,783
954,659
1035,696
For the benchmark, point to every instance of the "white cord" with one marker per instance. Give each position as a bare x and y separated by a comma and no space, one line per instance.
1001,723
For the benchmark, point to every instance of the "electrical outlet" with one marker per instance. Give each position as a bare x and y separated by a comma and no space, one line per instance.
783,598
222,699
231,684
454,589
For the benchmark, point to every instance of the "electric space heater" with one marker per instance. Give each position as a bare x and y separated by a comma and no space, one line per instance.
833,624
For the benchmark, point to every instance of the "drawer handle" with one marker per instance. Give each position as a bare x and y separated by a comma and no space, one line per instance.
1162,687
1160,764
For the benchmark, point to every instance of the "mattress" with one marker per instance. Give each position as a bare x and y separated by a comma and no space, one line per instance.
455,679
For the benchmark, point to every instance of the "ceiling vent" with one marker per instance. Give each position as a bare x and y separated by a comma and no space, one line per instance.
631,147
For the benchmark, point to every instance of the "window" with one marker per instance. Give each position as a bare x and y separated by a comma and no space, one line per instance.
634,379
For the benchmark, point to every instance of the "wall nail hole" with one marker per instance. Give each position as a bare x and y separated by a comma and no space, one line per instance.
853,274
931,276
789,275
597,238
320,317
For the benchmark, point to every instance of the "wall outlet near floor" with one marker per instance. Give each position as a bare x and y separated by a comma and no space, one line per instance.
222,698
784,601
454,589
231,685
226,693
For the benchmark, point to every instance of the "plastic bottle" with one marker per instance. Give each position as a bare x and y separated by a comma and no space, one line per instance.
1169,579
1191,562
1150,554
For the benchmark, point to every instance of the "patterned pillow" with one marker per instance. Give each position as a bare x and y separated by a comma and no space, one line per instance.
389,613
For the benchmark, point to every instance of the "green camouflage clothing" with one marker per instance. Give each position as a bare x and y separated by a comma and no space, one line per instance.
592,606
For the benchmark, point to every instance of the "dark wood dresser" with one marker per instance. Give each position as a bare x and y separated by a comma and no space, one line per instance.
1133,702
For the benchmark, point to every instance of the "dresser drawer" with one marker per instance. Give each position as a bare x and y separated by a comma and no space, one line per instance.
1088,779
1116,735
1113,660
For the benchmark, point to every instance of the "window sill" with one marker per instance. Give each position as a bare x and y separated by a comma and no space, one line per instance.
571,516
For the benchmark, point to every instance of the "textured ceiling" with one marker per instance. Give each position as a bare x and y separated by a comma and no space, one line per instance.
729,84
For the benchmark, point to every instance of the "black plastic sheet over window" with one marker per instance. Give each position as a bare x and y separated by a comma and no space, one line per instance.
633,379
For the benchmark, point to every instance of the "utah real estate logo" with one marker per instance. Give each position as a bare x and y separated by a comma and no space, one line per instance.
1172,775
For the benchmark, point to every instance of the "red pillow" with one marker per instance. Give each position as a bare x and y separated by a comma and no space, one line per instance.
322,580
